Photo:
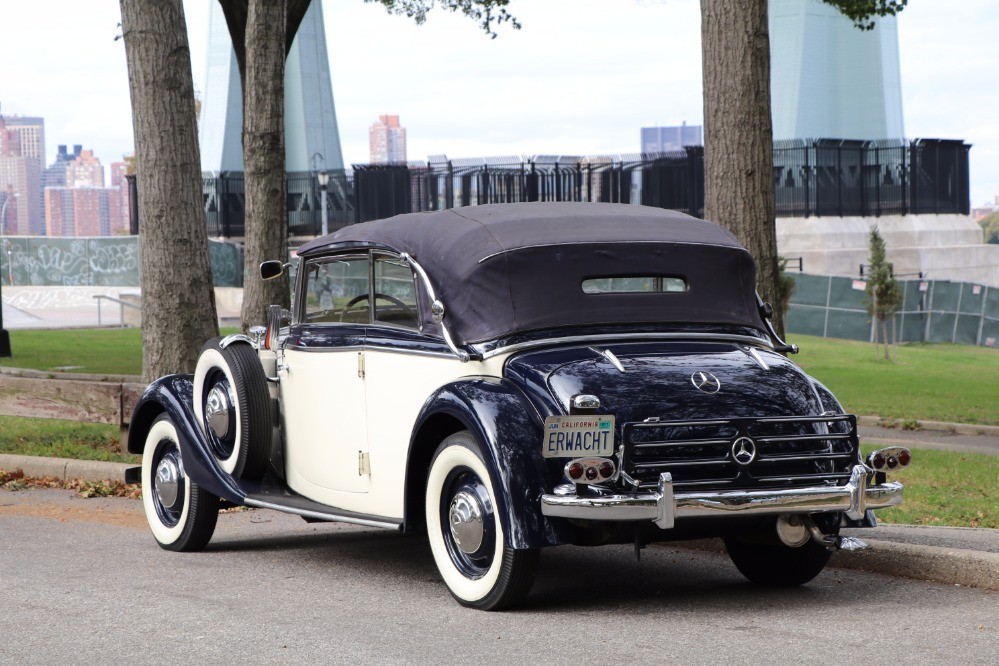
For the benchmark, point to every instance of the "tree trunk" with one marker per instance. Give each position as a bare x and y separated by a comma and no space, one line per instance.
738,133
178,301
263,156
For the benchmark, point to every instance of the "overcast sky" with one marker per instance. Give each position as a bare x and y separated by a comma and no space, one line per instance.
577,79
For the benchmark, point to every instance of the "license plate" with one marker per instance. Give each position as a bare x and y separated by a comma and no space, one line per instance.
578,436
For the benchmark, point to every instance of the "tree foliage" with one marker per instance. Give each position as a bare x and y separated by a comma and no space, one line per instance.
883,291
990,225
486,13
863,12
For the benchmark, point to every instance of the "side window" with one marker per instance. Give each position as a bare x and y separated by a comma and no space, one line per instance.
395,293
336,290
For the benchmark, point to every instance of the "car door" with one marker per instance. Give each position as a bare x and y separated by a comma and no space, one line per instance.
322,384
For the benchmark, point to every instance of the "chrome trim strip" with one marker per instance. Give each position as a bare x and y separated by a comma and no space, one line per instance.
815,456
324,350
235,337
795,438
683,442
676,424
384,524
664,506
682,463
628,337
462,355
407,352
609,355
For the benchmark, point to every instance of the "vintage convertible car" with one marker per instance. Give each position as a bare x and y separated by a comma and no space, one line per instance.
512,377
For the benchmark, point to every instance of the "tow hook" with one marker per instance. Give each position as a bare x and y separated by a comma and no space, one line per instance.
796,530
834,542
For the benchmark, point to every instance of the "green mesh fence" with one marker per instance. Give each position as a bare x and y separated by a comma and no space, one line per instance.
96,262
932,310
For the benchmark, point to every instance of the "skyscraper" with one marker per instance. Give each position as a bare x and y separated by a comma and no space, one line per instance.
312,138
830,79
22,151
387,141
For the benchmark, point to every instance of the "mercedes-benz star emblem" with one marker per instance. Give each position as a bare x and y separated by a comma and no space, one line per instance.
743,451
705,382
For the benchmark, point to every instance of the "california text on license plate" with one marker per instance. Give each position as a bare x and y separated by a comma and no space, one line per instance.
577,436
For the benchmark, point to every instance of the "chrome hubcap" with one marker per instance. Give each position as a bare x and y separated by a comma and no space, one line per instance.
217,408
466,520
167,481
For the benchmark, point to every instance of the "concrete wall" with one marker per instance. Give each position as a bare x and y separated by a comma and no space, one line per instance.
943,247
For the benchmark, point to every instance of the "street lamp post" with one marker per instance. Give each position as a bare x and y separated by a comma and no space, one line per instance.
324,180
4,336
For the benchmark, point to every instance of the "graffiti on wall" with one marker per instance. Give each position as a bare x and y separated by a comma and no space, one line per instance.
96,262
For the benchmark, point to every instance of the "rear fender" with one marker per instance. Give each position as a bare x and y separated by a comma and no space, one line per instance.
173,395
509,428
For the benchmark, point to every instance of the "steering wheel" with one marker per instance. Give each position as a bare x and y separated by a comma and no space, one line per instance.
391,299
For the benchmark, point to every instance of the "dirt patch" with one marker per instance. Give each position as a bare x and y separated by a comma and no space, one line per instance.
123,513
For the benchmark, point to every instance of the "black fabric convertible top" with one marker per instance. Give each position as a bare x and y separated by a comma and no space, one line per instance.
507,268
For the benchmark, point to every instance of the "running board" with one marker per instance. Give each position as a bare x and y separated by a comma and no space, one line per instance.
301,506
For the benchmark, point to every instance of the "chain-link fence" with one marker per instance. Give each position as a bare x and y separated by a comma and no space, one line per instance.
932,310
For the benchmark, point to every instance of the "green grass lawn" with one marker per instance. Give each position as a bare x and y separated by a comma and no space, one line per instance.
111,351
926,382
61,439
947,489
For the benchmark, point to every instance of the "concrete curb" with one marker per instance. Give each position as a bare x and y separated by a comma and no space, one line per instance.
952,566
64,468
939,426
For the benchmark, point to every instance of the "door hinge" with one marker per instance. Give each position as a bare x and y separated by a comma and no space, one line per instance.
363,464
360,364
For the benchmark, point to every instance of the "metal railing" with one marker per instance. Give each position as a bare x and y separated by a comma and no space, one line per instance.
122,304
816,177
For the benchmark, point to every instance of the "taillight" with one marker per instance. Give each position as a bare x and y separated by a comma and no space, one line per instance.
590,470
891,458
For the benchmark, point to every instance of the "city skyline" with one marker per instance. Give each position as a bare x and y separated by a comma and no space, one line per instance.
501,97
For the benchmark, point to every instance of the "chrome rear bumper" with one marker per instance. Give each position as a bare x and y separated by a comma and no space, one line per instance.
664,507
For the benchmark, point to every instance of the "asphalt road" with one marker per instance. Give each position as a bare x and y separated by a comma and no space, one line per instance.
82,580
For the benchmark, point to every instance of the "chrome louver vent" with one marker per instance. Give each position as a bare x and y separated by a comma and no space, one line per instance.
782,452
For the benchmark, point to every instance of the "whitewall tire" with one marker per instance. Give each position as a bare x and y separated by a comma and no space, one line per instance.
181,515
466,533
232,406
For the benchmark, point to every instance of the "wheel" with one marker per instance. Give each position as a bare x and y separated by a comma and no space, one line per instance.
770,562
232,404
181,515
466,534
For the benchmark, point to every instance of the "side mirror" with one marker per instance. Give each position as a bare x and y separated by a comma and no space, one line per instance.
270,269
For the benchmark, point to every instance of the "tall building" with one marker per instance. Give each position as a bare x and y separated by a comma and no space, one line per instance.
85,171
80,211
312,138
120,223
831,80
55,174
663,139
22,151
77,204
387,141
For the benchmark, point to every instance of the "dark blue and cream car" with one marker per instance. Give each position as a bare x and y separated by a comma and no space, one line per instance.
508,378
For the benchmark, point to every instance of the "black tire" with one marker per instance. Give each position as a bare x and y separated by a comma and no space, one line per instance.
181,514
769,562
241,440
485,574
